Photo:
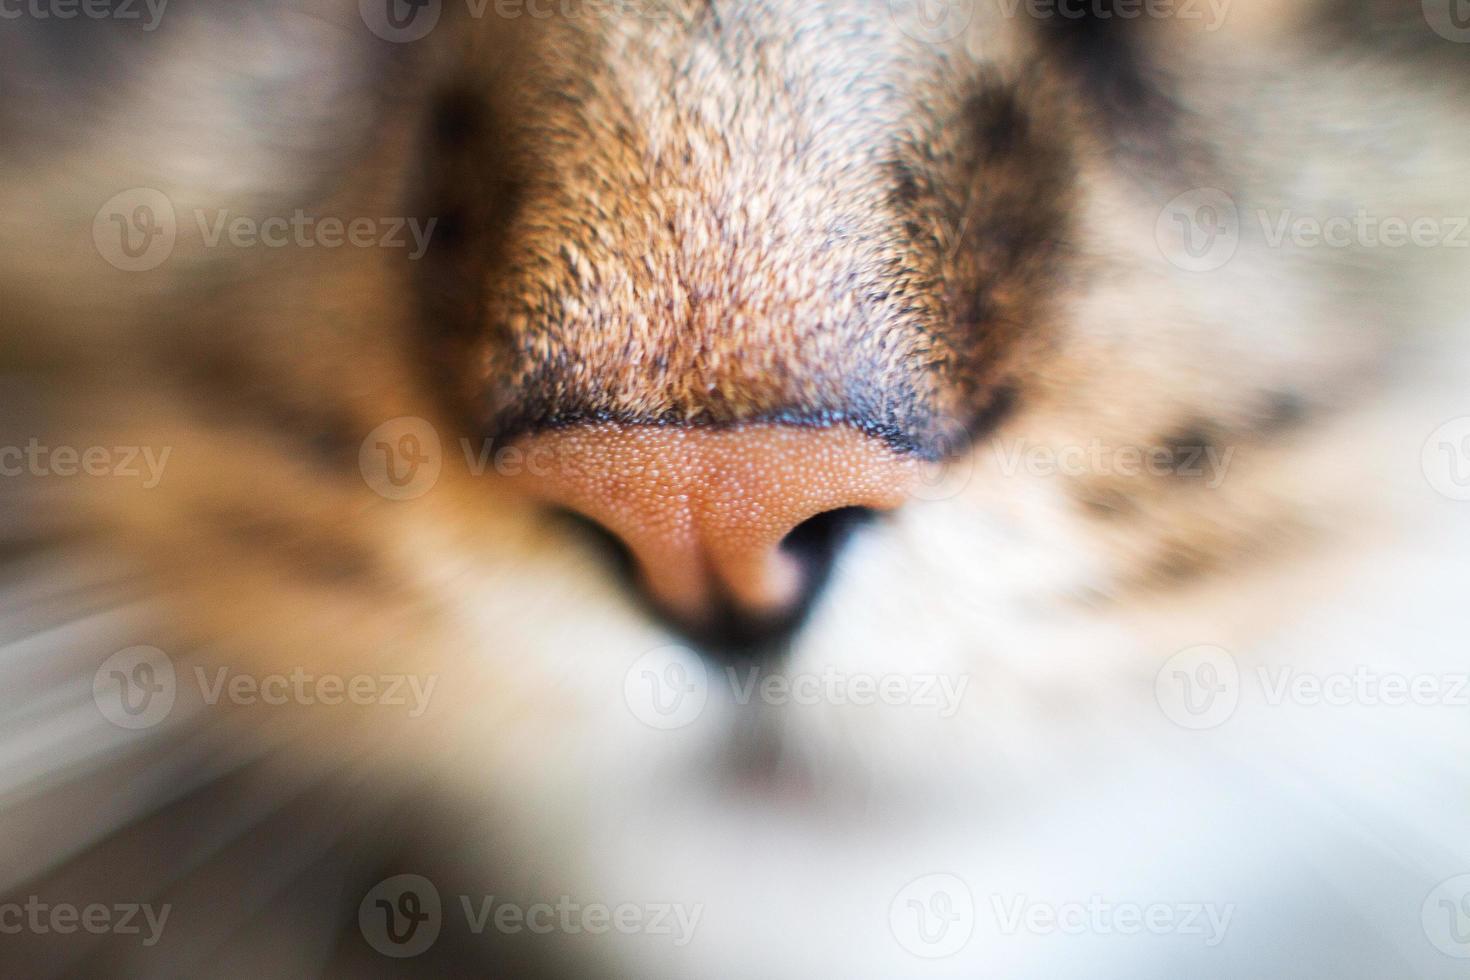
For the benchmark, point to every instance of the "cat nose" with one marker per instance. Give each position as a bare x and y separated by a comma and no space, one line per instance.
738,522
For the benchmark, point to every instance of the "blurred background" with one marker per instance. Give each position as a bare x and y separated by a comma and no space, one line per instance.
1158,670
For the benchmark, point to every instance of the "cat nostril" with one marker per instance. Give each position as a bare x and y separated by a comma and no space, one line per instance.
728,633
816,541
613,548
729,532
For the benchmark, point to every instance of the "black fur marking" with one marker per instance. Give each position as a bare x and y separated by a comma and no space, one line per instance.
305,551
1000,128
1014,224
1189,449
1002,406
1106,503
905,188
1105,56
463,180
227,391
1285,410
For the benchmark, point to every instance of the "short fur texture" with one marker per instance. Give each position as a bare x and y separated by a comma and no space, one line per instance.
767,209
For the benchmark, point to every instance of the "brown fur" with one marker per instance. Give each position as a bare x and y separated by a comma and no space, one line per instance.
783,210
750,232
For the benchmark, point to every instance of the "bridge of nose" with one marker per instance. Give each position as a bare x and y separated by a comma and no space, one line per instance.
704,510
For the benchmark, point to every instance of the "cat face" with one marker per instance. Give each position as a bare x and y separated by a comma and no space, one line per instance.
946,256
707,222
911,395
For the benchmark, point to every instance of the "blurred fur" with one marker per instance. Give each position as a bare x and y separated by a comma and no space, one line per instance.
734,211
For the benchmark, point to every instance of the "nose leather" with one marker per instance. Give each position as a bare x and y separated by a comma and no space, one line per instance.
704,510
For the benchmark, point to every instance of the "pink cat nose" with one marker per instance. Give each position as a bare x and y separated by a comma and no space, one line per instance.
714,517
